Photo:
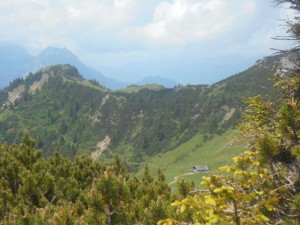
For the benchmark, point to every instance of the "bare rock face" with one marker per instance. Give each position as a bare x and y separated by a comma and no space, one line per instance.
14,96
282,63
101,146
288,62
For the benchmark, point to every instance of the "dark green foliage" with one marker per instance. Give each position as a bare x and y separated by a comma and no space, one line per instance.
58,190
15,83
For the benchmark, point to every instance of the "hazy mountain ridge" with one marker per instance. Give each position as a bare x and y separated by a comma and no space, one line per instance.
16,62
21,63
54,56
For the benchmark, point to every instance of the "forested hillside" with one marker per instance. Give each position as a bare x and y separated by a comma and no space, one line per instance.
62,110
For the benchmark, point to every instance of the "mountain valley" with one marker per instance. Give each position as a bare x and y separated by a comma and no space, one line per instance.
62,110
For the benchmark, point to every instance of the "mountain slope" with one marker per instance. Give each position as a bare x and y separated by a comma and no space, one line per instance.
220,150
179,162
58,105
62,109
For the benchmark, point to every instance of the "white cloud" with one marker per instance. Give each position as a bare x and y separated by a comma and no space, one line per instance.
185,21
75,22
121,3
45,22
119,32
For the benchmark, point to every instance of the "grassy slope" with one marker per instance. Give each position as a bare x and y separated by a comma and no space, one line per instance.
180,161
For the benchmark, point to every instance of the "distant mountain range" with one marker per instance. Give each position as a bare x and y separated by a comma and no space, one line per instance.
16,62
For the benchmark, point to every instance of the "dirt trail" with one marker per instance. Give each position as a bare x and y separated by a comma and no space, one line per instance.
101,146
182,175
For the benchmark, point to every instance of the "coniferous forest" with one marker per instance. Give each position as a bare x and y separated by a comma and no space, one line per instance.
261,186
57,190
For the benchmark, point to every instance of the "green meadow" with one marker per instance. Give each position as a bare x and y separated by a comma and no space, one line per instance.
214,153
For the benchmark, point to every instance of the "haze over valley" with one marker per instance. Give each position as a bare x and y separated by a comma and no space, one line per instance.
129,40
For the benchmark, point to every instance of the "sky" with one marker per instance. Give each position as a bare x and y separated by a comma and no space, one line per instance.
188,41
